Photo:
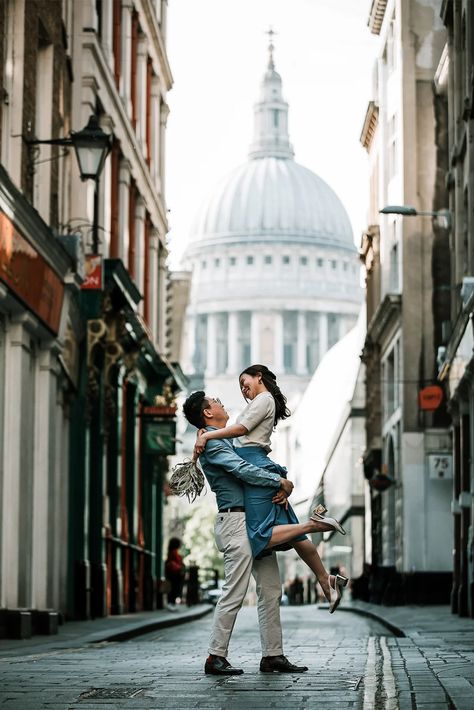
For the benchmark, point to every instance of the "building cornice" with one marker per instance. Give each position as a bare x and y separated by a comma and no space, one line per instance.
386,315
291,240
376,15
370,125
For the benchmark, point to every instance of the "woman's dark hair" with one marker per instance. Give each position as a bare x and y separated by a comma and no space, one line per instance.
174,544
269,380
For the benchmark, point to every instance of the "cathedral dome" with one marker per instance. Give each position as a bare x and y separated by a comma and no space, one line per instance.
273,198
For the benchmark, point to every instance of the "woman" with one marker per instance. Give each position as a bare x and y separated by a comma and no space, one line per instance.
271,525
174,571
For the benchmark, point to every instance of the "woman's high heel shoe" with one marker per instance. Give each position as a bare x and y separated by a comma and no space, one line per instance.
335,592
318,517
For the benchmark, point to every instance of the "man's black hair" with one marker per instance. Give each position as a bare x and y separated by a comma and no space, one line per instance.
193,408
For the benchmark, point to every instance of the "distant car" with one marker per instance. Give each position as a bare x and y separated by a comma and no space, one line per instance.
211,595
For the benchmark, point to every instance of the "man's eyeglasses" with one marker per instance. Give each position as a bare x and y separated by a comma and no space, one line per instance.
216,400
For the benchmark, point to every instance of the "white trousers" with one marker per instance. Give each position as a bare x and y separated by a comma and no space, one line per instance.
232,540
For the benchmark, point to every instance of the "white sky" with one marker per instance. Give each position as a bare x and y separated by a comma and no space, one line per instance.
218,54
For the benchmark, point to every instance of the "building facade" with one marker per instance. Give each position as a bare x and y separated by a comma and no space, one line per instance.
409,536
456,361
274,269
85,381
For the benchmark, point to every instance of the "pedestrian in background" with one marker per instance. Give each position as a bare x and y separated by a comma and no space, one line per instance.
174,572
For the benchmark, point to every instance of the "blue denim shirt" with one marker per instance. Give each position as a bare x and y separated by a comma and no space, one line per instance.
224,470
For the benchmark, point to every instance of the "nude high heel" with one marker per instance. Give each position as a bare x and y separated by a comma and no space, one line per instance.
318,517
335,592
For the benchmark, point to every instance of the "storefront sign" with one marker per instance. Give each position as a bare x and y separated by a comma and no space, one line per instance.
160,437
93,272
29,276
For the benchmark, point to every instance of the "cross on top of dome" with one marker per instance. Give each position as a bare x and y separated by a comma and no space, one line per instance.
271,33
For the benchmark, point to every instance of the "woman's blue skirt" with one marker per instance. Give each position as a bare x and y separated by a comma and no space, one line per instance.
261,514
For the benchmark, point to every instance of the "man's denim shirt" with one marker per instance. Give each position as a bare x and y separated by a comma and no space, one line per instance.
225,470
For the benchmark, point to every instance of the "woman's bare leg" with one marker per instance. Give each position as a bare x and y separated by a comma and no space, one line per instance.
287,533
309,554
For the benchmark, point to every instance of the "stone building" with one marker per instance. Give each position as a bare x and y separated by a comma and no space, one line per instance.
409,538
274,267
86,387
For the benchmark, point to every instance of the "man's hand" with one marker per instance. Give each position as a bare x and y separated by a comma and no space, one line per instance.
286,486
281,498
200,444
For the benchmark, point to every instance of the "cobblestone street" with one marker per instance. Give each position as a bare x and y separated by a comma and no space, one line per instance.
354,662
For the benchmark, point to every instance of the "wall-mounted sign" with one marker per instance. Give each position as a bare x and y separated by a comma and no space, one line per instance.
159,411
430,398
440,465
160,436
93,272
29,276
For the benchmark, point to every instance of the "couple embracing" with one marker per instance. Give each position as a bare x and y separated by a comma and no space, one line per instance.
254,517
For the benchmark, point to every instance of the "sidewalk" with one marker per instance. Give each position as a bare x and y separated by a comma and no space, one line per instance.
74,634
429,636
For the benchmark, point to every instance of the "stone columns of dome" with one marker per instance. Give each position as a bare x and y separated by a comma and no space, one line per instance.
211,364
126,42
278,343
232,343
323,335
301,344
254,338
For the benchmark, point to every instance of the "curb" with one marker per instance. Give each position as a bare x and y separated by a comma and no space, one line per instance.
153,626
395,630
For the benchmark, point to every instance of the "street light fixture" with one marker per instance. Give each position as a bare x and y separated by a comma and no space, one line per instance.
407,211
91,145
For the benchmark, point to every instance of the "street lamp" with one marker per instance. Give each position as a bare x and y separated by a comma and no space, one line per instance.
91,145
407,211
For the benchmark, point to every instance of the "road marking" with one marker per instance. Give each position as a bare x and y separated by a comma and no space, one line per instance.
370,680
388,679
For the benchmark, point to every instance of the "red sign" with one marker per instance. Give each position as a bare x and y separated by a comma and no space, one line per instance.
29,276
93,268
430,398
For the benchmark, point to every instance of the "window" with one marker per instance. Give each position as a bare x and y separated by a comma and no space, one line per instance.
203,264
276,118
333,329
217,262
391,380
290,336
304,260
232,261
345,266
250,260
333,264
268,259
320,263
392,162
286,259
390,47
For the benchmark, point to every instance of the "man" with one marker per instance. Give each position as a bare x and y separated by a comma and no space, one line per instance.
223,468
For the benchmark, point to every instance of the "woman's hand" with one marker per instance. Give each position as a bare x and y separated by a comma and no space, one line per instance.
281,498
200,443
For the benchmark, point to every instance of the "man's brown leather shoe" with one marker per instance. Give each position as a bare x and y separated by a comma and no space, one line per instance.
279,664
218,665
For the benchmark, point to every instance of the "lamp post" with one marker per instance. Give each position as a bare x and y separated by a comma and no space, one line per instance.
407,211
91,145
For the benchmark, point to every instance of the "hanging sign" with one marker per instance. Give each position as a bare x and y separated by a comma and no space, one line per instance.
430,398
160,437
93,272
